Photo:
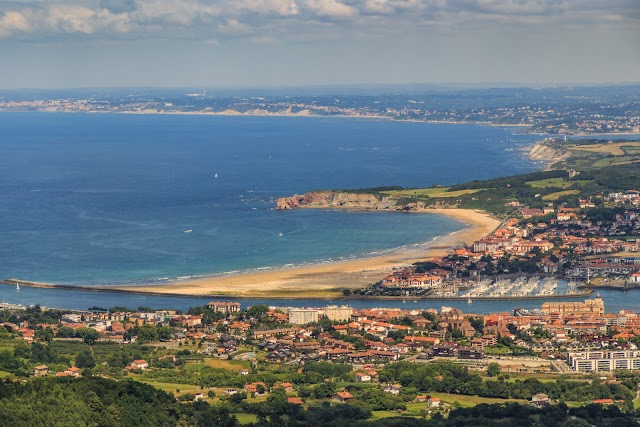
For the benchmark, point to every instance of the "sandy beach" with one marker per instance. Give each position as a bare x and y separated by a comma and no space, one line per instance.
327,280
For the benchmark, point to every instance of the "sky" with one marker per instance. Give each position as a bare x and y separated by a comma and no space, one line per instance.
258,43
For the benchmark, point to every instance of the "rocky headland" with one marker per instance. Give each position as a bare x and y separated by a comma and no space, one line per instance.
546,152
358,201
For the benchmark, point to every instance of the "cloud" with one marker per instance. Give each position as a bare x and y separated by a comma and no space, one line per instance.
119,6
13,21
281,19
389,7
330,8
233,26
276,7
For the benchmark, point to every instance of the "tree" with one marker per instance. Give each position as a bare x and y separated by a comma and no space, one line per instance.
41,353
89,335
277,401
257,311
65,332
164,333
493,369
147,333
324,390
44,334
85,360
238,397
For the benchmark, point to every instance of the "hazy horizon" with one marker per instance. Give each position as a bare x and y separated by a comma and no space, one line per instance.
371,89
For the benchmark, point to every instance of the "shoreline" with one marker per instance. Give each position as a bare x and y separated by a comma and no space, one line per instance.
322,279
264,113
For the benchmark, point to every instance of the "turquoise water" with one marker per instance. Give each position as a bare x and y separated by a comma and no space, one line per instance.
107,198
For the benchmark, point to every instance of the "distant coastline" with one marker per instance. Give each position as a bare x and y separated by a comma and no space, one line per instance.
282,113
306,113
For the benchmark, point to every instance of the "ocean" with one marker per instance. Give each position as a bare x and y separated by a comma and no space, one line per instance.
124,198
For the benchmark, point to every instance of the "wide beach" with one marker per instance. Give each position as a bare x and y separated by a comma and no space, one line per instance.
328,280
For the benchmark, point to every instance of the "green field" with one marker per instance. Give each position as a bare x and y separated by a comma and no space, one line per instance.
7,346
172,387
387,414
613,161
414,409
229,365
616,149
246,418
438,192
469,401
555,183
558,194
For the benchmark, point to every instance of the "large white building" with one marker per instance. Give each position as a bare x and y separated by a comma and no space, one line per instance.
302,316
604,360
338,314
224,306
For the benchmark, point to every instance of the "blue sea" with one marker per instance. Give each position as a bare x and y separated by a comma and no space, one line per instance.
122,198
117,198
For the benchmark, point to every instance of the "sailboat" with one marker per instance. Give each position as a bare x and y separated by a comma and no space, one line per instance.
17,286
469,300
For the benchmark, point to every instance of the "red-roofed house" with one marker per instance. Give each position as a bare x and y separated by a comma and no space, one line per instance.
140,364
363,377
433,402
342,396
602,401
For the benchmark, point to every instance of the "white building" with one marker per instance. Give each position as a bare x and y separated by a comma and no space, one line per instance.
302,316
338,314
604,360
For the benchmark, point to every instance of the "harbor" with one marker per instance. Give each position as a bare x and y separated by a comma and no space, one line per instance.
84,298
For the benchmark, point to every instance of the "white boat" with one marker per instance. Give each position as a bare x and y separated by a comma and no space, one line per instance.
17,286
188,231
469,301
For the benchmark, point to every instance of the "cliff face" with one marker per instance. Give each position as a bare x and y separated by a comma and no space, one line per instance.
541,151
355,201
332,199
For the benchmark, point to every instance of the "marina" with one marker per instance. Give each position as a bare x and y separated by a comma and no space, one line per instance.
81,299
510,288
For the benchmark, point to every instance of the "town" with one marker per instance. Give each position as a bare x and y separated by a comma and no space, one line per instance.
561,240
585,246
548,111
225,353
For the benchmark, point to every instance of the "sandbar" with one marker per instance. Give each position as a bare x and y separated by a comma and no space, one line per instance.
329,279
